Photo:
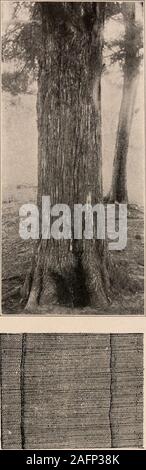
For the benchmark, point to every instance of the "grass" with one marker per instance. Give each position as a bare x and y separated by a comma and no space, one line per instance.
127,276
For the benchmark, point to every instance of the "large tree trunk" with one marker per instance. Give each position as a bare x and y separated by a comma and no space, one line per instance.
69,170
118,191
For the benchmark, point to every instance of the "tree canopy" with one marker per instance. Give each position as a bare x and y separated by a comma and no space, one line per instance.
22,41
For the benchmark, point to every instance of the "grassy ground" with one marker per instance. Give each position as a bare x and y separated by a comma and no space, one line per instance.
16,257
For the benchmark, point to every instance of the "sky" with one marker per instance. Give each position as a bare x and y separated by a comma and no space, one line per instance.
6,13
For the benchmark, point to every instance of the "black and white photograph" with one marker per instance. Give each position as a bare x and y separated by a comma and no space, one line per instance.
71,391
72,365
72,158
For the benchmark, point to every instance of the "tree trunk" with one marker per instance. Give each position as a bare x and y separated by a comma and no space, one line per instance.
118,191
69,272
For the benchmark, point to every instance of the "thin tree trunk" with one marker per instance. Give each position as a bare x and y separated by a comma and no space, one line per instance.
118,191
69,169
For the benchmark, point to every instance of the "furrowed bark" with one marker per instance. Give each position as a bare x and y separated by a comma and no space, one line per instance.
69,154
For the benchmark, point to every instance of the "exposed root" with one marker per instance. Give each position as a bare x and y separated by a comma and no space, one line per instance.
68,279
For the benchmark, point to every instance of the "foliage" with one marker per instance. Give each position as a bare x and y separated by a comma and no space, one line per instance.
22,42
128,49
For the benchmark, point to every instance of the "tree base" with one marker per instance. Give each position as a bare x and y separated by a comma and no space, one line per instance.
74,279
112,198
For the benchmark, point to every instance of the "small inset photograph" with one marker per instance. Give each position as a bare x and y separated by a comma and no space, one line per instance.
72,158
71,391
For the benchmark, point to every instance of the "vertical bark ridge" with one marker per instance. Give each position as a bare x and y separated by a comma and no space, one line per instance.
22,388
111,392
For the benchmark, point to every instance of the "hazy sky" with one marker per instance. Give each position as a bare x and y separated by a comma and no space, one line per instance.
6,9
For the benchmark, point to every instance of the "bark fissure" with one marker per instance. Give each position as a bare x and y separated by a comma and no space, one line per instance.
22,390
111,392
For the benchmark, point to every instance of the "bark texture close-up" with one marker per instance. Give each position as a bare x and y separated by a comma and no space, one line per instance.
71,391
